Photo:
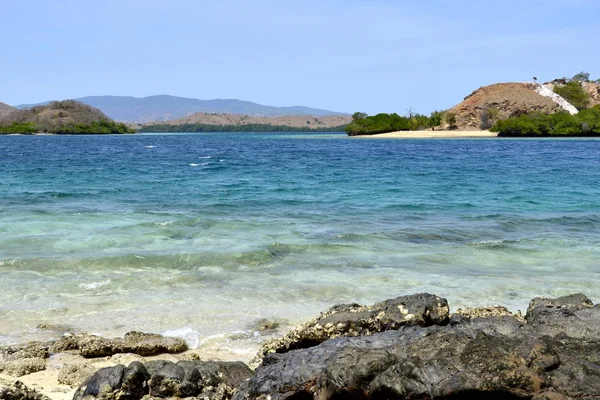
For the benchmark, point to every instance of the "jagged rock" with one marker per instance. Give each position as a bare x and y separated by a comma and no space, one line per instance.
356,320
574,315
75,374
18,391
143,344
163,379
485,353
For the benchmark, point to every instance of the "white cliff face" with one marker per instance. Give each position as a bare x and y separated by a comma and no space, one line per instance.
546,91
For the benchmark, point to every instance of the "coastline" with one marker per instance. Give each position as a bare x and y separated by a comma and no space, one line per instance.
431,134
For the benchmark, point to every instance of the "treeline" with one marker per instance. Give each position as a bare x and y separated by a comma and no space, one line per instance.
167,128
100,127
584,123
362,124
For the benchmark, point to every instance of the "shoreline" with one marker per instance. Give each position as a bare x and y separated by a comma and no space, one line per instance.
431,135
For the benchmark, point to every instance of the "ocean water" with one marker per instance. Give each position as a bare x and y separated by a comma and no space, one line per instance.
200,235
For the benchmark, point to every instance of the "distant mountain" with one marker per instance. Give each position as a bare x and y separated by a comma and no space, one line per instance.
5,109
294,121
164,107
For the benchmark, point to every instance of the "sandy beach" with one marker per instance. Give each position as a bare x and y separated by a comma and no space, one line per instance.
432,134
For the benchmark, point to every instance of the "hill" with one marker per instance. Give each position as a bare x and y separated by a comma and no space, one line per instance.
294,121
164,108
5,109
501,101
60,117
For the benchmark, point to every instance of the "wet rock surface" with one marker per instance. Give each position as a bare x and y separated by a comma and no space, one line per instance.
163,379
554,353
144,344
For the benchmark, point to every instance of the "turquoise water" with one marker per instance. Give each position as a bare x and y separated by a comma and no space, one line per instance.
200,235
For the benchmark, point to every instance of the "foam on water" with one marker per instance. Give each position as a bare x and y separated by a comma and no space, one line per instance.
287,227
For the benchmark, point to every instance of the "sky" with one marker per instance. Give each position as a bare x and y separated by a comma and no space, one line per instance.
342,55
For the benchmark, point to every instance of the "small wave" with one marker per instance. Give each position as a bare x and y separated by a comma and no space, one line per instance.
204,157
165,223
94,285
149,147
191,336
194,165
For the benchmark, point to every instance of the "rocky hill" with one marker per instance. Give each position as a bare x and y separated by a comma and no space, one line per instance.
67,116
499,101
295,121
164,108
5,109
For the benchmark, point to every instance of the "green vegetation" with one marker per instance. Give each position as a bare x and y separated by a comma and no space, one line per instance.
585,123
572,90
574,93
362,124
161,128
65,117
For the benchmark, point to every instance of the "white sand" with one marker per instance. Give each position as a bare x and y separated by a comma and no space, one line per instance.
432,134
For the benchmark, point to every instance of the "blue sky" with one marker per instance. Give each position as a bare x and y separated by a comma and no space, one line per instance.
343,55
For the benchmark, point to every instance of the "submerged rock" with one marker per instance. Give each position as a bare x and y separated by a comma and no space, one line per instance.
356,320
164,379
481,353
143,344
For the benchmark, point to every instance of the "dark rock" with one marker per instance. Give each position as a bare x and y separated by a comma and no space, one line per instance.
135,382
166,381
18,391
485,353
104,383
574,315
356,320
210,380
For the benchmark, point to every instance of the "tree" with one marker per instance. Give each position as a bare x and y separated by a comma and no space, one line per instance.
581,77
358,116
450,119
435,119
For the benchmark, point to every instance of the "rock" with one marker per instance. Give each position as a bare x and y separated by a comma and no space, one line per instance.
356,320
574,315
143,344
164,379
18,391
483,353
31,350
75,374
116,383
103,384
24,366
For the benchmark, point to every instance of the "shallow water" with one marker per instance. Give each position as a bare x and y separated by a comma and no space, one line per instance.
200,235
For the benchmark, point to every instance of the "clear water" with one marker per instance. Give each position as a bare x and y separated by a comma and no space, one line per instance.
200,235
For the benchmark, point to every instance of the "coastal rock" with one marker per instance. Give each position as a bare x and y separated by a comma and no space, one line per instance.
23,360
574,315
143,344
75,374
480,353
163,379
18,391
356,320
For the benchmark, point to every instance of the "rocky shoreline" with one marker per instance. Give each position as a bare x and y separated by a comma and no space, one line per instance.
410,347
